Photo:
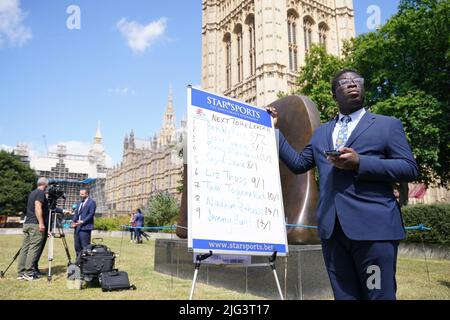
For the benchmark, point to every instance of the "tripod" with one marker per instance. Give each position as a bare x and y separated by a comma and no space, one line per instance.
55,231
2,273
53,218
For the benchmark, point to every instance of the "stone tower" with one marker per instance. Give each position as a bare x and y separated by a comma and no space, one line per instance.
168,129
253,49
97,152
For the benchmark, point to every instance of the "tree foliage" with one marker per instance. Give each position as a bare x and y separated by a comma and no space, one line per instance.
315,79
16,182
406,67
161,210
410,52
419,113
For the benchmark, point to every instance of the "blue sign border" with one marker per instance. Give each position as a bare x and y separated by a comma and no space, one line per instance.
229,107
237,246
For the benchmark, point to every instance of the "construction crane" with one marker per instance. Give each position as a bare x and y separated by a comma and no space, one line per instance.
45,142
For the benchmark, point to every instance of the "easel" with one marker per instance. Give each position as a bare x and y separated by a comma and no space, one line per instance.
271,264
198,261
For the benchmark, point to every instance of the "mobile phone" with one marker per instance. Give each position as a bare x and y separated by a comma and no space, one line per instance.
333,153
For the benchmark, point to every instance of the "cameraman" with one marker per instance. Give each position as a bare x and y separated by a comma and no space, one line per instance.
83,221
34,231
44,241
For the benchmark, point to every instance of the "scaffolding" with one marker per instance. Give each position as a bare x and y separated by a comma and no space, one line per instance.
97,192
69,182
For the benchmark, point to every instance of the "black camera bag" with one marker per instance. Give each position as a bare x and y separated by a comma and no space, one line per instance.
115,281
95,259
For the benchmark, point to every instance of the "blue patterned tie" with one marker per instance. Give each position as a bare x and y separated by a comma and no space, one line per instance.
343,132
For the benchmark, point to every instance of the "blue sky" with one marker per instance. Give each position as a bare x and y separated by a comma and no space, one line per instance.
117,68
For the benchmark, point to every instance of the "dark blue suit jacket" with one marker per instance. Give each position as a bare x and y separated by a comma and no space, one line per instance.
139,220
86,215
363,200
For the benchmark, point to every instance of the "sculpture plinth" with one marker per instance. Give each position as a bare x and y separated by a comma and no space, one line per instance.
302,274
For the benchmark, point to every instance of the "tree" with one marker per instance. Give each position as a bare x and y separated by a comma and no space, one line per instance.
161,210
406,67
315,79
419,113
406,62
17,180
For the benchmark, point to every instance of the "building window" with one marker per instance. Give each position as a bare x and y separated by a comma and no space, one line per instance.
227,40
323,30
250,21
240,52
308,24
292,40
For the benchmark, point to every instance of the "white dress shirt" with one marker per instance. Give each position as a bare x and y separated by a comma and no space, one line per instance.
355,116
82,204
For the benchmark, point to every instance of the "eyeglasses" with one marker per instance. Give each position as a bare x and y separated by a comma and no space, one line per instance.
346,82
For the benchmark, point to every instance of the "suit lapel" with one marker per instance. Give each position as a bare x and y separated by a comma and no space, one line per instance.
366,121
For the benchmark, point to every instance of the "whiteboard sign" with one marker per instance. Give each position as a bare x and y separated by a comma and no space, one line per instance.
235,205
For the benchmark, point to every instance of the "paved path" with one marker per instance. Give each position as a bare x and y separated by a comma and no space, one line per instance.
414,250
96,233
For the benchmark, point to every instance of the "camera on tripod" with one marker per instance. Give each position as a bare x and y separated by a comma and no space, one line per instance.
55,219
55,192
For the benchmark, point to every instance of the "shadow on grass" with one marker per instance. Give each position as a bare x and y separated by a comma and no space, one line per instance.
445,283
56,270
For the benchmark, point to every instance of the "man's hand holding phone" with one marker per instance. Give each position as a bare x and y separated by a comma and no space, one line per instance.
332,153
345,158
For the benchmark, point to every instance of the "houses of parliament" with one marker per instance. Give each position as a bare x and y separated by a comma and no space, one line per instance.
148,166
252,50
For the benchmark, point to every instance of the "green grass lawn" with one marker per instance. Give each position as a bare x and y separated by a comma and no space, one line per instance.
137,260
413,283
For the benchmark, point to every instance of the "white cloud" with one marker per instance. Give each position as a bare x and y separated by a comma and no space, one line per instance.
33,151
73,147
109,161
123,92
12,29
141,37
6,148
78,148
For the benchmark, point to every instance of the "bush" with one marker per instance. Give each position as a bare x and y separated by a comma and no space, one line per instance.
162,210
436,216
111,224
17,180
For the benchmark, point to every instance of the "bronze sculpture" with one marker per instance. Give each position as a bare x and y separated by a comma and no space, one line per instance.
298,118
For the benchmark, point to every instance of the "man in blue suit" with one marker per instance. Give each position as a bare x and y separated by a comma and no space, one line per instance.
139,223
83,221
359,219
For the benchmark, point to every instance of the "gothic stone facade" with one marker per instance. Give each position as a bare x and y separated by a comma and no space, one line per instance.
148,166
252,49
